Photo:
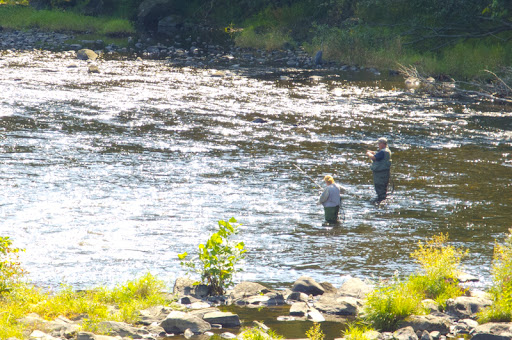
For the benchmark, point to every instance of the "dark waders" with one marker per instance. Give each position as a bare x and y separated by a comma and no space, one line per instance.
331,214
380,181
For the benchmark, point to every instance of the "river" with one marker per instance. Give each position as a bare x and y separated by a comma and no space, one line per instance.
108,176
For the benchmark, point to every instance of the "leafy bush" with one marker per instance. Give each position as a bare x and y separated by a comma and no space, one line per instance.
501,289
391,303
218,258
315,333
438,259
10,267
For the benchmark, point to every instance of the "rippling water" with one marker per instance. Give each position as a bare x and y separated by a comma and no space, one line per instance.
107,176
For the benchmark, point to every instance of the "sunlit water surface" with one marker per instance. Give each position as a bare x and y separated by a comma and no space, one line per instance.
108,176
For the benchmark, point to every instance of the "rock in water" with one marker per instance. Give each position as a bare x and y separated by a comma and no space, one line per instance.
86,54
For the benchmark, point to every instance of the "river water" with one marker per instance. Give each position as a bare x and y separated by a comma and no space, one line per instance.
108,176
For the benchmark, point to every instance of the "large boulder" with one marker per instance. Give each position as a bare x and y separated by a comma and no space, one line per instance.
466,306
86,54
307,285
493,331
406,333
121,329
338,305
178,322
246,289
63,327
153,314
354,287
272,298
150,13
184,286
431,322
225,319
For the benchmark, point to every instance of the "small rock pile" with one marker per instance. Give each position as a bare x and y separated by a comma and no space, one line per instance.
196,314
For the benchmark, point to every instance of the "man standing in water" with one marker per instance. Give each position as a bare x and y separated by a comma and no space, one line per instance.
381,167
331,200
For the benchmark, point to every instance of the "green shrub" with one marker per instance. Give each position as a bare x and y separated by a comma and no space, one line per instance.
437,259
10,267
315,333
501,289
356,331
273,40
258,334
438,289
391,303
218,258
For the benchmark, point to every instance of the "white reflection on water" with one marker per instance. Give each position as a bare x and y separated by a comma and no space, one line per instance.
107,176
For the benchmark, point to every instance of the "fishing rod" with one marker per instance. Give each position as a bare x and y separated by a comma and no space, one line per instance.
307,176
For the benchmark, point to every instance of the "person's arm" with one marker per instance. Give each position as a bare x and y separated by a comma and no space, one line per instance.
371,154
379,156
324,196
342,188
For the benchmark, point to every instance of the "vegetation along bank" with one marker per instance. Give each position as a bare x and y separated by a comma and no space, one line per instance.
464,42
432,303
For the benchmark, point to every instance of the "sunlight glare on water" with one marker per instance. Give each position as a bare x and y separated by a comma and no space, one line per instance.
107,176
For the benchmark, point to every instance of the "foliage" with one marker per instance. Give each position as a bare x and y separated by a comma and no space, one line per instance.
501,289
10,267
356,331
27,17
258,334
269,41
438,259
96,304
14,2
315,333
218,258
391,303
437,288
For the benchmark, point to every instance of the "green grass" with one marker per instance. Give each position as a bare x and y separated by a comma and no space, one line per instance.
356,331
121,303
391,302
501,289
22,17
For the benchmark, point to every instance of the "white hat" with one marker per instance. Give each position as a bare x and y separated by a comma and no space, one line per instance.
382,140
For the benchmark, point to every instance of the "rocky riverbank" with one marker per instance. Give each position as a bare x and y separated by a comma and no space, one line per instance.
195,314
180,50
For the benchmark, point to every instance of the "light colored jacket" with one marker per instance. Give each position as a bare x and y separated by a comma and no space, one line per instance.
331,195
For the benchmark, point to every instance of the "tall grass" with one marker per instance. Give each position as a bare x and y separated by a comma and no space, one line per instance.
501,290
96,304
22,17
391,302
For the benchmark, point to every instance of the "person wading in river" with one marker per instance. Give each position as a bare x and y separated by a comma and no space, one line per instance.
381,167
331,200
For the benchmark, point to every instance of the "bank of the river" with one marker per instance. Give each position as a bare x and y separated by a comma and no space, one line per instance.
179,50
290,312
